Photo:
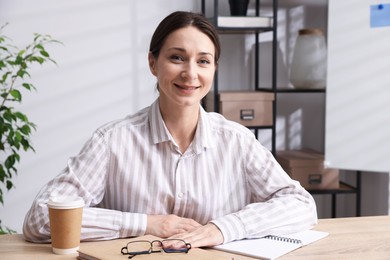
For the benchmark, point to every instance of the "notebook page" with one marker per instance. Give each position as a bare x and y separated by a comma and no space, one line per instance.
265,248
309,236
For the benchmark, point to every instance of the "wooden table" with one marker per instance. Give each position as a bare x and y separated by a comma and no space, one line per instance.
349,238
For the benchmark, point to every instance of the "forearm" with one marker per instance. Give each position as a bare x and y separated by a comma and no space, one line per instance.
279,215
105,224
97,224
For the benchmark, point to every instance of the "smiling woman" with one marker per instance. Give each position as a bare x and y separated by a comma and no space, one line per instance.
183,57
173,170
184,69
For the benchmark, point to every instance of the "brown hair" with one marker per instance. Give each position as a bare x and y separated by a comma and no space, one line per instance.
178,20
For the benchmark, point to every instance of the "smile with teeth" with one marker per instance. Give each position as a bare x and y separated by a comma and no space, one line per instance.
187,87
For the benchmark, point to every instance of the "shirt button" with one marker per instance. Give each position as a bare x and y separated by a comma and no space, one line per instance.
180,195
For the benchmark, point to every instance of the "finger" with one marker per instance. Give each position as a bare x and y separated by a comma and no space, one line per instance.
188,237
185,225
190,224
196,240
208,235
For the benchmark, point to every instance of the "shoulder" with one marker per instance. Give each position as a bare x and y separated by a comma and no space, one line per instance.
222,126
134,121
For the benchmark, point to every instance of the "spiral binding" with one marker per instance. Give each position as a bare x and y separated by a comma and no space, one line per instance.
284,239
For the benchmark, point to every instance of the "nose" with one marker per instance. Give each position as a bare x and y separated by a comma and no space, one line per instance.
190,71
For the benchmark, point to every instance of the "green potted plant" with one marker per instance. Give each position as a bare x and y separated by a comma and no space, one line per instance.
15,127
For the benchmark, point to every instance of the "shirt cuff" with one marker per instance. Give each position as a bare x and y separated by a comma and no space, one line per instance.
133,224
231,227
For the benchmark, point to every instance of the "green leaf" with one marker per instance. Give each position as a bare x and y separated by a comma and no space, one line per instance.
21,53
38,46
17,156
26,144
7,126
2,173
10,62
38,59
3,128
9,162
27,86
2,64
8,116
10,185
10,138
16,144
44,53
5,77
18,60
21,116
26,130
4,48
31,124
21,73
18,137
36,36
16,94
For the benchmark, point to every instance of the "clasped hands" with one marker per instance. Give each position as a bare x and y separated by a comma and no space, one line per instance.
172,226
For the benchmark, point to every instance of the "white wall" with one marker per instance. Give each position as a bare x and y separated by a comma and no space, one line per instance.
102,75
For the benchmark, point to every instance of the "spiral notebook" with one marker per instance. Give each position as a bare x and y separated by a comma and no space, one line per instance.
272,247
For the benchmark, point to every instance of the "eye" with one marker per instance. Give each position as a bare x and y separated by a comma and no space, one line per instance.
176,58
204,61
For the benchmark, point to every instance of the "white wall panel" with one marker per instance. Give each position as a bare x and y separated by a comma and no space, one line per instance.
358,89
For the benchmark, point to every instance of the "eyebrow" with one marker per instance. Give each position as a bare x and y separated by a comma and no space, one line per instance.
183,50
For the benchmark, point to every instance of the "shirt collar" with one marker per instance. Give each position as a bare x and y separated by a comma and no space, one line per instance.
203,136
159,132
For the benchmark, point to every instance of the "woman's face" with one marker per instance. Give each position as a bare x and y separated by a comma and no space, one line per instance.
184,68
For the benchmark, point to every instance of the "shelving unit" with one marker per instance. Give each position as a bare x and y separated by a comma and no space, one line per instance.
254,30
345,188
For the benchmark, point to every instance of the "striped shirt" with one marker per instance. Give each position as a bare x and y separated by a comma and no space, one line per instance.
132,167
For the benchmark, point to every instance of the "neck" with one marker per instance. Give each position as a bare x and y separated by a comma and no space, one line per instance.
181,123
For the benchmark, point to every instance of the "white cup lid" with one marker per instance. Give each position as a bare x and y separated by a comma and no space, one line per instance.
65,202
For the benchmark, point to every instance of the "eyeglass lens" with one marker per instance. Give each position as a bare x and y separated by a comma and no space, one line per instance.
146,247
175,246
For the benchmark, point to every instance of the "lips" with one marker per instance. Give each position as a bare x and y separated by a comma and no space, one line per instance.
187,87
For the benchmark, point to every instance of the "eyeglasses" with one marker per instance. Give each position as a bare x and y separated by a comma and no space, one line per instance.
141,247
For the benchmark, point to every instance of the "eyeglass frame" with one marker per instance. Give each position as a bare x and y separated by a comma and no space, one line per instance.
150,251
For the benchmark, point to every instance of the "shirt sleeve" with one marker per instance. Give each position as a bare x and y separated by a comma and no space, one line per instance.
278,205
85,176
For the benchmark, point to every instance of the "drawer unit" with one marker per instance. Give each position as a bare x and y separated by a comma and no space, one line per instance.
249,108
307,167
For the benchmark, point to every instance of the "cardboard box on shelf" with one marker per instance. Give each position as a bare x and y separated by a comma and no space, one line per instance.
249,108
307,167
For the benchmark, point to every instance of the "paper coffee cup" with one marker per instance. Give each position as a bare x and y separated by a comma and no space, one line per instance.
65,223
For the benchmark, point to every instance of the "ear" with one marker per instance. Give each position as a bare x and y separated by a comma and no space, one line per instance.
152,64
